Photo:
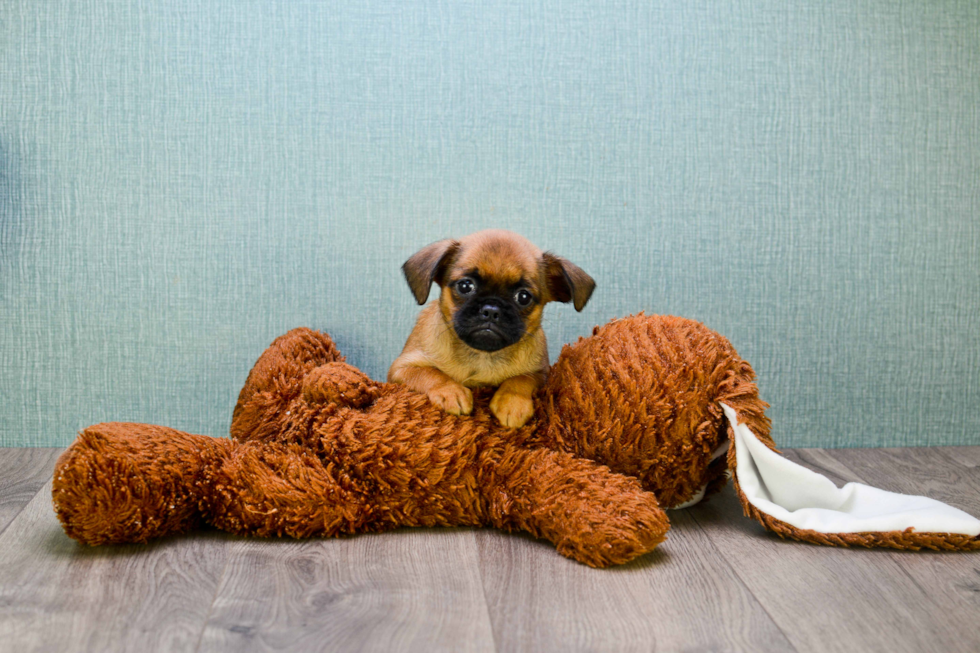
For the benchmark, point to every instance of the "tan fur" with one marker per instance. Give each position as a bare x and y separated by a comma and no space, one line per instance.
438,364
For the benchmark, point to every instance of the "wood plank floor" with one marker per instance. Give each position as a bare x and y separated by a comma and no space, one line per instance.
719,583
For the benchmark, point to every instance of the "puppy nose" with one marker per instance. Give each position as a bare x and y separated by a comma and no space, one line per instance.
490,312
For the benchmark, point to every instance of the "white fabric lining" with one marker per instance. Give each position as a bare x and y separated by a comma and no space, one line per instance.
810,501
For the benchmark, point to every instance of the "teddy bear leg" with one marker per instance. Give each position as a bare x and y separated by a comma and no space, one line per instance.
272,489
120,483
591,514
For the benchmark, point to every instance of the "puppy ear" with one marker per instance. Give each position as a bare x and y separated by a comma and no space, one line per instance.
567,282
427,265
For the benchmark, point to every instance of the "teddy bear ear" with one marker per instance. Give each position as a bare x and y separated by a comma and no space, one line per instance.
566,281
427,265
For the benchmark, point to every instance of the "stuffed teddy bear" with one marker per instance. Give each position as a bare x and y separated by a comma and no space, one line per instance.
636,418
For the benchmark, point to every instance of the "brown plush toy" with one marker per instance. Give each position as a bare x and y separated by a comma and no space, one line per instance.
630,421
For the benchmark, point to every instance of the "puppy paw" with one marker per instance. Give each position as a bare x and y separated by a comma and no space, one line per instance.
511,409
452,398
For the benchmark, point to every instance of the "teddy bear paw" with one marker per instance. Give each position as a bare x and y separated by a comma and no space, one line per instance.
341,384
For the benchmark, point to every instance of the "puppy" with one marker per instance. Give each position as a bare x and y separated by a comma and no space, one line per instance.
485,329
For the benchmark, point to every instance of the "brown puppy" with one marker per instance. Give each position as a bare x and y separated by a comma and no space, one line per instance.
485,330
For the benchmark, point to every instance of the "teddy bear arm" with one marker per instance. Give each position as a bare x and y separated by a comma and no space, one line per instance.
273,489
341,384
277,378
591,514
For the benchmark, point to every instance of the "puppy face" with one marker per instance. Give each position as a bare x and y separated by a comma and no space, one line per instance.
494,286
492,293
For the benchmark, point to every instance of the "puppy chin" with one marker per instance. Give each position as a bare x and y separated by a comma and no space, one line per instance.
486,338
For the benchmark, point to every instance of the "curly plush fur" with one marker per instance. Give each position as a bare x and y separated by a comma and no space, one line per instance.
626,423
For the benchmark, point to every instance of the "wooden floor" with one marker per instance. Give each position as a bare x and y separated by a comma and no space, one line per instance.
718,583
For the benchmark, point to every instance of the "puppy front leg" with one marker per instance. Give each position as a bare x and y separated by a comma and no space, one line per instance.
511,404
437,386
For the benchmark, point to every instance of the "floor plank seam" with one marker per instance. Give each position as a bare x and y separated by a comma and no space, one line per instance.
20,511
214,599
810,463
483,588
741,580
54,452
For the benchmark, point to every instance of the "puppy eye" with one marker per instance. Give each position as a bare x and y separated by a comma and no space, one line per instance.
523,298
465,286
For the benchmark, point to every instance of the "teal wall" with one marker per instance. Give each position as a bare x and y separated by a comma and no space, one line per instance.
181,181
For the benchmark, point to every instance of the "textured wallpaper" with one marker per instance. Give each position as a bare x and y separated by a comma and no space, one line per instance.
180,182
